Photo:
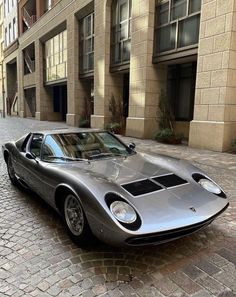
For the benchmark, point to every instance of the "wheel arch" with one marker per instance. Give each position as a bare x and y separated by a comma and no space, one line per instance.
59,195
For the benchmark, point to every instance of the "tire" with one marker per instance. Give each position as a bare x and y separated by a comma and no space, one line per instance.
11,172
76,221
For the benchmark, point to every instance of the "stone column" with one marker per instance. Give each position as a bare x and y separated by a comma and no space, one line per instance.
105,83
75,89
214,124
146,80
44,96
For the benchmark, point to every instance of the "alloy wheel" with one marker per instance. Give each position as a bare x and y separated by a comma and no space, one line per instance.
74,215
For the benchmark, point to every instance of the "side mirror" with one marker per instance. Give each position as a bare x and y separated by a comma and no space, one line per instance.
30,156
132,146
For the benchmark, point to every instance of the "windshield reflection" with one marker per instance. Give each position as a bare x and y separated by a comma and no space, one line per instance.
82,146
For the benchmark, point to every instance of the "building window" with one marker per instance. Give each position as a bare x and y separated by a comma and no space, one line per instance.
120,32
47,5
87,44
9,39
8,7
1,31
5,8
181,89
14,28
56,57
6,43
177,25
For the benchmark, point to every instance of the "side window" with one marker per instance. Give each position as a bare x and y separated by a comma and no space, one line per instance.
36,143
52,148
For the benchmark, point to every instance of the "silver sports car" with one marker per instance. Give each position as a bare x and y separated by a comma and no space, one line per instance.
102,187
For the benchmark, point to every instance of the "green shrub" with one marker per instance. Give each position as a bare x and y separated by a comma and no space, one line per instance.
84,123
113,127
233,144
168,136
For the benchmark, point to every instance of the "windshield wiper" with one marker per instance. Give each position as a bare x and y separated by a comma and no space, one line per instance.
100,155
106,155
67,158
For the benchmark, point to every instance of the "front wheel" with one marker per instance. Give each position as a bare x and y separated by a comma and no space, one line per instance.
11,172
76,221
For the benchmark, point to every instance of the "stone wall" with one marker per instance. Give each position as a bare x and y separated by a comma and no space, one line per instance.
214,124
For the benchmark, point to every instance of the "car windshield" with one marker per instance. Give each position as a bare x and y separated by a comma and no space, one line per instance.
82,146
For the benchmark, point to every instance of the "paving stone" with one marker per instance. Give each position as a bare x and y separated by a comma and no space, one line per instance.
227,293
184,282
227,255
207,267
192,271
210,284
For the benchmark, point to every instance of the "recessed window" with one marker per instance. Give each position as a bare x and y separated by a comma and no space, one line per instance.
87,44
177,25
14,29
181,89
6,43
9,38
56,57
120,32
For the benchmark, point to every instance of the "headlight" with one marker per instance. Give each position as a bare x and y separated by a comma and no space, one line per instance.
123,212
209,186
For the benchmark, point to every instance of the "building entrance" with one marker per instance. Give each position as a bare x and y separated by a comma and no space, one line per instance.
60,100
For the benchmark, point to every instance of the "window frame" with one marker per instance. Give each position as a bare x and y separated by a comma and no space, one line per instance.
84,38
50,55
28,145
177,21
116,31
177,81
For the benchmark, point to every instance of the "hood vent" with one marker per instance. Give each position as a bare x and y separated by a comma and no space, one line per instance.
170,180
141,187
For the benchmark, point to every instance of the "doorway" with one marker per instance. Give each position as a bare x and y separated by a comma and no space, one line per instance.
60,100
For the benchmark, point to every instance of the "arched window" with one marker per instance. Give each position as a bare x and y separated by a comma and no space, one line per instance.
120,31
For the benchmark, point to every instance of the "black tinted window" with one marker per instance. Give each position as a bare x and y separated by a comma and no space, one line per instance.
35,146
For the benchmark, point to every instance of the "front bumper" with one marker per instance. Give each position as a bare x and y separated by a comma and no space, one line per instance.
162,237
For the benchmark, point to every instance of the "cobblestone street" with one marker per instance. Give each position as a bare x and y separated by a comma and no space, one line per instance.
37,258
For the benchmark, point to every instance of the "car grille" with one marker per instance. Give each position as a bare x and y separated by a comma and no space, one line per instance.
141,187
170,180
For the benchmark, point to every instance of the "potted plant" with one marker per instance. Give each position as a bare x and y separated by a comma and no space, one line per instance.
165,118
117,120
84,121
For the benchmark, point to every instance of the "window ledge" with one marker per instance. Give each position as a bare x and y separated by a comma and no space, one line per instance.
185,55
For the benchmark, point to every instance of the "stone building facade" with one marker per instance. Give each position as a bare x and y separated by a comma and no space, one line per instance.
75,56
2,70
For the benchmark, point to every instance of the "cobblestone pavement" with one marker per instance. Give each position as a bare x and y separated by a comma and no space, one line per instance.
38,259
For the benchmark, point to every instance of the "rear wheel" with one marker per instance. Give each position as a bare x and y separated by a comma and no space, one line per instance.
76,221
11,172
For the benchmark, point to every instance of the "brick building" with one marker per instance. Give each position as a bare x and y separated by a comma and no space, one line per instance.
74,52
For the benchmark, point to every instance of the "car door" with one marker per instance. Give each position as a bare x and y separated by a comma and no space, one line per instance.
36,170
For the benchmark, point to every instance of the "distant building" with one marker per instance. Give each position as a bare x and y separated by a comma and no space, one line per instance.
73,54
11,54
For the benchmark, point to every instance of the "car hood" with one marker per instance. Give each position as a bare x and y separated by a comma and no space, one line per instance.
167,209
122,170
